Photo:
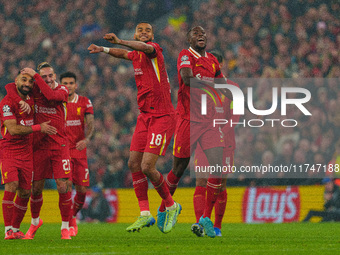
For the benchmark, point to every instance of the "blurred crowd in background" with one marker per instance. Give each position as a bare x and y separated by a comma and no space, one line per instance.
258,39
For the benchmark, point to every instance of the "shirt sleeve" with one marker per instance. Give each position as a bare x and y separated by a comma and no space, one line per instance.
157,50
7,111
50,94
131,54
183,61
89,107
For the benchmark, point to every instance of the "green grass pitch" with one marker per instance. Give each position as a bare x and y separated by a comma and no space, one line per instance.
293,238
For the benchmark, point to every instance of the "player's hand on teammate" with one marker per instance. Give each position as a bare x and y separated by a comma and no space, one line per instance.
29,71
25,107
112,38
81,145
47,129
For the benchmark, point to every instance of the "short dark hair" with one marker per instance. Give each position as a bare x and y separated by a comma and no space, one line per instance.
43,65
145,22
217,55
68,75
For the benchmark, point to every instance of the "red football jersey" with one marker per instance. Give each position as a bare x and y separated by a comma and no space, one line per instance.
16,146
154,94
75,123
50,104
205,68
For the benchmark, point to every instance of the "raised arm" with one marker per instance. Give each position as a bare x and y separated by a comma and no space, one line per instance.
50,94
117,53
134,45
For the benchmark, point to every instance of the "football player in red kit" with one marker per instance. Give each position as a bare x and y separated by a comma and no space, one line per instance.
16,154
195,64
51,156
155,123
79,129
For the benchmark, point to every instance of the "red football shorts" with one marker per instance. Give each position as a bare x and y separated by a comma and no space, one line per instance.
153,133
188,133
50,164
201,160
80,172
17,170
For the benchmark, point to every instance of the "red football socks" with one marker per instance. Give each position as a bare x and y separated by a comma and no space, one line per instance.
36,204
163,191
8,207
79,200
213,189
172,182
65,205
220,205
199,201
140,185
20,208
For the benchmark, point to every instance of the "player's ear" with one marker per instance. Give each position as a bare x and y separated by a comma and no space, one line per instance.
134,36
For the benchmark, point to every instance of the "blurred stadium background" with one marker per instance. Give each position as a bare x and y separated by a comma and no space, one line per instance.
258,38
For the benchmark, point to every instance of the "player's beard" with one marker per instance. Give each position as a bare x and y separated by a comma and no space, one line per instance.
24,92
137,39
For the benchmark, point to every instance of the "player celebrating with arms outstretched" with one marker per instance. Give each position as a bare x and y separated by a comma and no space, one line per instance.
155,124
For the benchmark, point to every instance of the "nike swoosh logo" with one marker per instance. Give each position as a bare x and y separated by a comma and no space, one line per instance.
199,65
85,180
152,147
67,172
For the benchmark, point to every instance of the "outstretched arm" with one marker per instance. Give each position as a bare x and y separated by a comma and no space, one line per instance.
134,45
117,53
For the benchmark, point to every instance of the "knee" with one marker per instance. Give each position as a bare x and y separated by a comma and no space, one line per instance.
62,186
201,182
37,190
134,166
147,167
81,189
24,193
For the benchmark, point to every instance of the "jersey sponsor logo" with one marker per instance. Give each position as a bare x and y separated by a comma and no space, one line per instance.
26,122
71,123
47,110
6,111
138,71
